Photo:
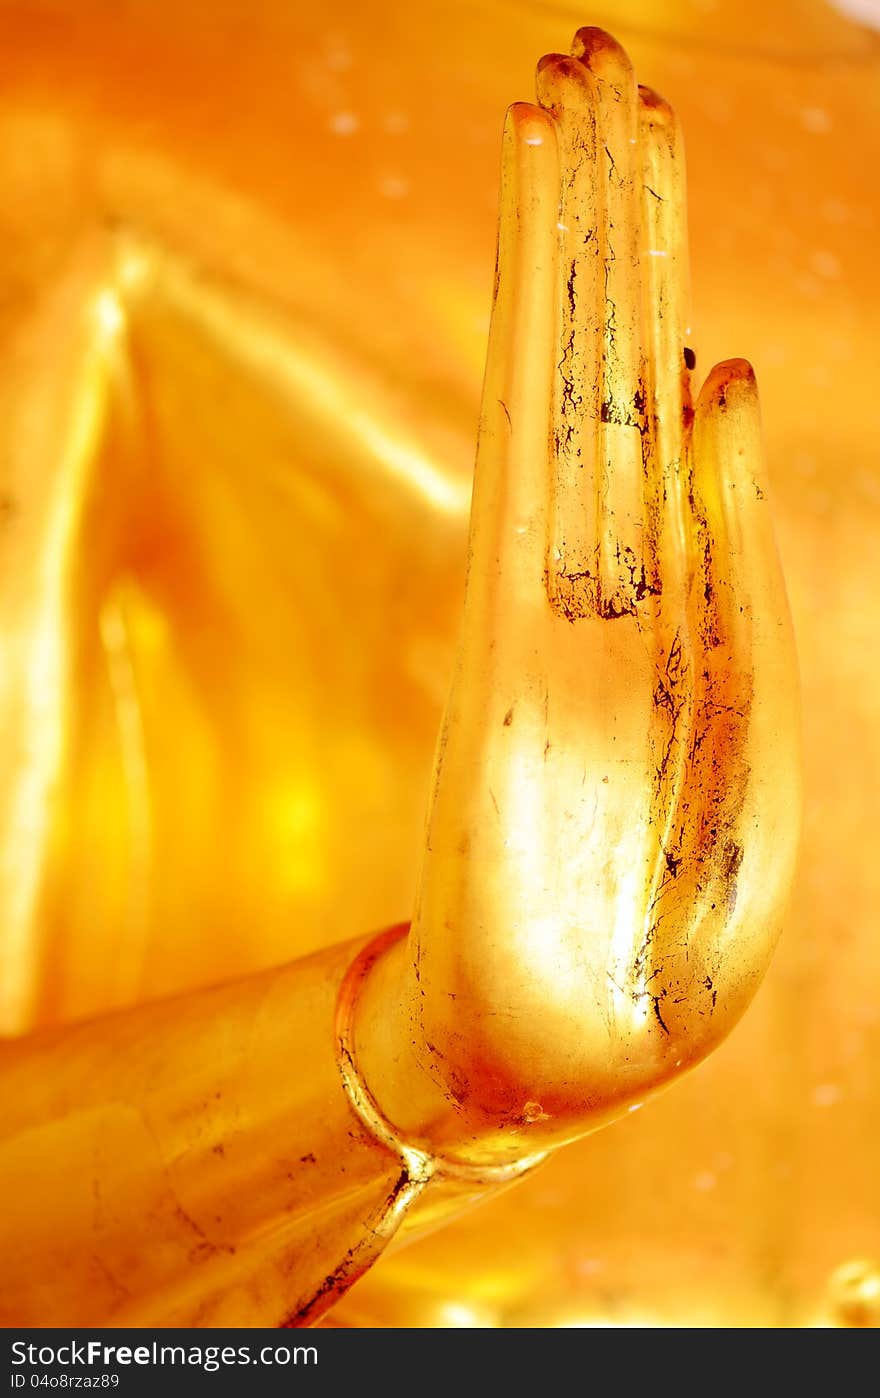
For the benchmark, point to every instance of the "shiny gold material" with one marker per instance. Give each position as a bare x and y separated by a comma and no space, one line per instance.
235,487
174,1165
614,813
617,795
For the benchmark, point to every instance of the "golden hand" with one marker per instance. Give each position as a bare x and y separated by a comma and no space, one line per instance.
616,805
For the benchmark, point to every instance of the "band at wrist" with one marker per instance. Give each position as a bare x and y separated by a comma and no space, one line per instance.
421,1165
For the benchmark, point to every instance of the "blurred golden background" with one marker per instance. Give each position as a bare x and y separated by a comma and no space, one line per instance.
247,266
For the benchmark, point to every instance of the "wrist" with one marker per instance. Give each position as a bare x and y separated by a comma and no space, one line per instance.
418,1089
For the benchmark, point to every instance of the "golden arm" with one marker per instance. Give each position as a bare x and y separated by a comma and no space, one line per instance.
205,1160
194,1161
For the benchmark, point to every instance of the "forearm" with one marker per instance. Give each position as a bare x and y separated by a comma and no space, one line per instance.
195,1161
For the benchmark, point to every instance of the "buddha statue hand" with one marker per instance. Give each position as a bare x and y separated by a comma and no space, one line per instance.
616,803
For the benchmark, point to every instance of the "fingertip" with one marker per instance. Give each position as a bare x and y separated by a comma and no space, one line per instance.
655,109
598,49
529,125
562,81
728,441
529,162
732,382
549,64
551,60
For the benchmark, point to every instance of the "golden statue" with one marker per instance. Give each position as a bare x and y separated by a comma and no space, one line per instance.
616,799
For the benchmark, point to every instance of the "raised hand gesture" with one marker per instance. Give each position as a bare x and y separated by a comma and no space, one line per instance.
616,801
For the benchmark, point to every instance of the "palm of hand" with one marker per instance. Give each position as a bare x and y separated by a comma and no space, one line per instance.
615,811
